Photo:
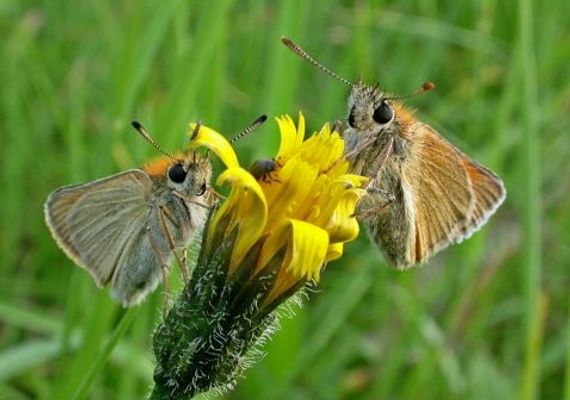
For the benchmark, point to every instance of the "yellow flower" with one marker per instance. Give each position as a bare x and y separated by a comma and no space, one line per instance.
301,211
283,220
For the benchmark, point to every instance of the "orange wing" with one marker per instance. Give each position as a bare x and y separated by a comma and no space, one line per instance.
451,196
489,193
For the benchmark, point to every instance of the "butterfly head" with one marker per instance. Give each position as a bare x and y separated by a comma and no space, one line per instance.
188,174
370,111
373,112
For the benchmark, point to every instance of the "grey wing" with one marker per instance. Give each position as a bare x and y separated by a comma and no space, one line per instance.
140,268
99,224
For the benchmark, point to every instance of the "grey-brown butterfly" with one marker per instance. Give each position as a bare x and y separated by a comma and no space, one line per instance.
424,193
127,228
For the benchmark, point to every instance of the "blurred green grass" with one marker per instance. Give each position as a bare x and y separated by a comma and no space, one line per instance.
487,319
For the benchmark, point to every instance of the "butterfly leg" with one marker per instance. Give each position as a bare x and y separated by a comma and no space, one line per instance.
268,178
336,126
384,194
163,214
215,195
360,147
163,268
376,199
379,164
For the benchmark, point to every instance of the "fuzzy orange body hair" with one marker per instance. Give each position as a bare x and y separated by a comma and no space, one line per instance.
157,168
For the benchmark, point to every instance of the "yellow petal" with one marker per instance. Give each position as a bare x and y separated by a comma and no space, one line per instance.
248,208
307,248
332,212
301,128
335,251
342,226
352,180
273,243
295,181
291,136
218,144
338,168
324,149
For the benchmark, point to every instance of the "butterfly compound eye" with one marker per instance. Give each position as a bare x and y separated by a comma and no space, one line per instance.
202,189
176,173
351,118
383,113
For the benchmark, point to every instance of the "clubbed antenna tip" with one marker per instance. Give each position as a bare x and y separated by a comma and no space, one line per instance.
142,131
295,48
428,86
250,128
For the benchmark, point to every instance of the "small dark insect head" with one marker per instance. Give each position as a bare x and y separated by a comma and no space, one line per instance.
263,169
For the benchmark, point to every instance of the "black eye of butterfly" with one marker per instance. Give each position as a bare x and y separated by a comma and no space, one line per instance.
176,173
383,113
202,189
351,118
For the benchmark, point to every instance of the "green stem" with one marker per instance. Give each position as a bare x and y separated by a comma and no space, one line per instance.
104,354
531,150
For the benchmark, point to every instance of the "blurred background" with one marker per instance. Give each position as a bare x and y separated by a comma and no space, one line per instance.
486,319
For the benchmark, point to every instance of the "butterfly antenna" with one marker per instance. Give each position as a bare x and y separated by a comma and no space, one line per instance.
250,128
295,48
142,131
426,87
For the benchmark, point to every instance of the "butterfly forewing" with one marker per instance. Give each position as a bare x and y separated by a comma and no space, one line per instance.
441,197
441,193
489,192
96,223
